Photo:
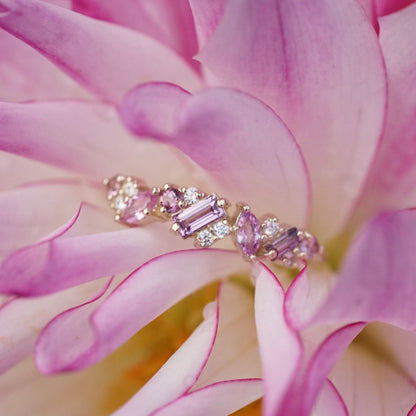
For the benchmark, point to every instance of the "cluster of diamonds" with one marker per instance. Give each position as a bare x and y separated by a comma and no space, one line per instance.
206,219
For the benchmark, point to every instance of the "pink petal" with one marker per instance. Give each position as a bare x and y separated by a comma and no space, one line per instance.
216,399
143,296
307,293
391,181
25,213
21,320
377,281
79,136
384,7
74,255
105,58
235,354
280,347
320,67
304,390
207,16
371,385
168,22
238,140
25,74
184,366
330,402
412,411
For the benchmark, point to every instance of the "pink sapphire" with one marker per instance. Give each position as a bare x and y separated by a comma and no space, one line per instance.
134,211
170,200
198,216
284,243
114,186
309,246
249,233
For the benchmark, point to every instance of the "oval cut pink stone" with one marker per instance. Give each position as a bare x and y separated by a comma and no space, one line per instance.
249,233
134,211
170,200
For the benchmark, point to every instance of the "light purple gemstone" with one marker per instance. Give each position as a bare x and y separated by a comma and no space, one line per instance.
198,216
309,246
249,233
134,211
284,243
170,200
113,186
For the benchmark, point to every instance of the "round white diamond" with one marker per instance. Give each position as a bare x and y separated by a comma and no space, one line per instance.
221,229
205,238
129,189
119,203
271,227
191,196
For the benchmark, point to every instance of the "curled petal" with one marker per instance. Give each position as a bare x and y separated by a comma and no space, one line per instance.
227,133
105,58
143,296
21,319
330,402
319,65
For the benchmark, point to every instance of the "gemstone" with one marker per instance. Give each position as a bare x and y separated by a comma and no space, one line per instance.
249,233
221,229
198,216
271,227
134,211
119,203
191,196
130,189
284,243
205,238
309,246
170,200
113,186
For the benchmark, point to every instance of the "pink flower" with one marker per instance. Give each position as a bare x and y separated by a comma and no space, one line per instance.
304,108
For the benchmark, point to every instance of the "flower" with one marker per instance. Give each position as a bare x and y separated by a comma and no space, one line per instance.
302,107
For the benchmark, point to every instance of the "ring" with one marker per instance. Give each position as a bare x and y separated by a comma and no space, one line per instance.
205,217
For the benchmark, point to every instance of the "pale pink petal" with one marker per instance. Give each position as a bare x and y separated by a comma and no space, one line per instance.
178,374
26,212
79,136
412,411
13,171
207,16
320,67
392,178
169,22
87,138
25,74
370,9
107,59
310,379
377,281
307,293
280,346
78,254
235,354
221,398
329,402
372,385
143,296
237,139
21,320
